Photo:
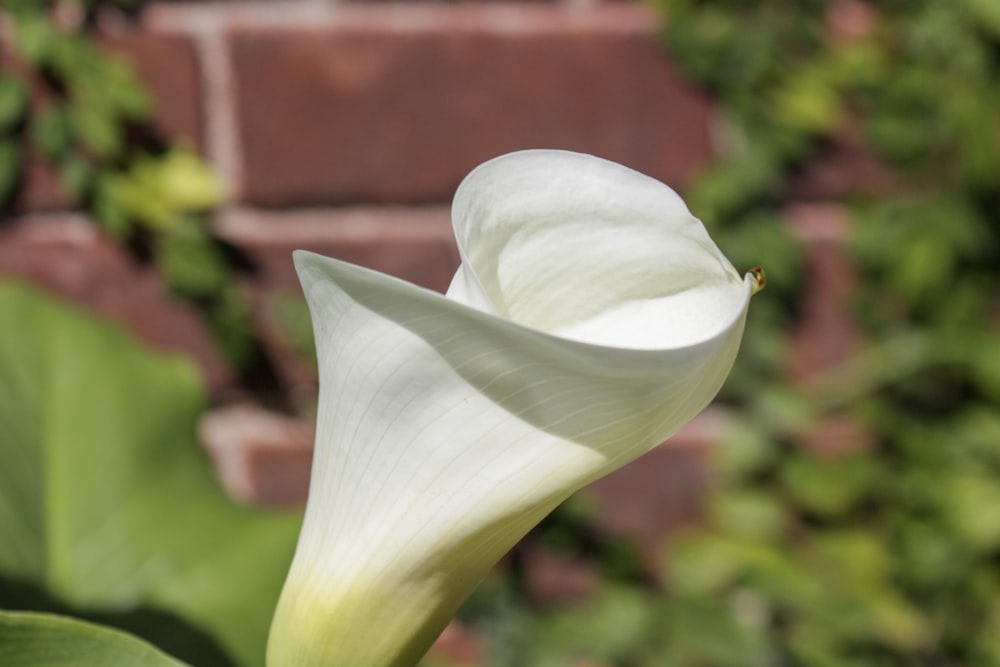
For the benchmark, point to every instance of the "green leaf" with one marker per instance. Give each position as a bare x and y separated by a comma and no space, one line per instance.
291,314
191,259
985,13
97,129
51,132
855,555
44,640
76,174
703,564
607,627
714,633
159,190
187,182
106,499
970,499
749,513
829,488
10,167
102,80
109,207
808,103
747,451
13,101
34,35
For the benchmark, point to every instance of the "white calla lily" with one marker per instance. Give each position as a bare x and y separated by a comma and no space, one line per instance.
592,316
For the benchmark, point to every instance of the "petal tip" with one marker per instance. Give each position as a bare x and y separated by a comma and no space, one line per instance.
758,279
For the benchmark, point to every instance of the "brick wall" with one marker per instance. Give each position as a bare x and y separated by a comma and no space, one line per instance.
345,127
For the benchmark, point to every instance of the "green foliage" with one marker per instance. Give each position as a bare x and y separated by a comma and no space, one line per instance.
107,504
42,640
886,555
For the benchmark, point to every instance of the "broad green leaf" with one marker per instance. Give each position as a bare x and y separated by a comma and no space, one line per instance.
106,500
45,640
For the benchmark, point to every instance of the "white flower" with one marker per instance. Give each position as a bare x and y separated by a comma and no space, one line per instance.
592,316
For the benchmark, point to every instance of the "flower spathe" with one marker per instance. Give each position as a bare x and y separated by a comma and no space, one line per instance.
591,317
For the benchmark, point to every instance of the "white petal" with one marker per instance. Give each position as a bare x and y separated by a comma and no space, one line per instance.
591,250
448,427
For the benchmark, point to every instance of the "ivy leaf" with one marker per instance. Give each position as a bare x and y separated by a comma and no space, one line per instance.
13,102
970,498
710,633
10,167
111,205
75,173
749,513
34,36
44,640
190,258
985,13
159,190
106,500
187,182
51,132
829,488
97,129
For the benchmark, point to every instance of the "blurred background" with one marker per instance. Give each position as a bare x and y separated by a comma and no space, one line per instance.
839,504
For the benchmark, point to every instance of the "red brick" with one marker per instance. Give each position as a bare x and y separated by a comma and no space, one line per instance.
850,21
663,490
415,244
844,166
67,256
836,435
396,102
261,457
557,579
40,189
459,646
169,68
826,333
